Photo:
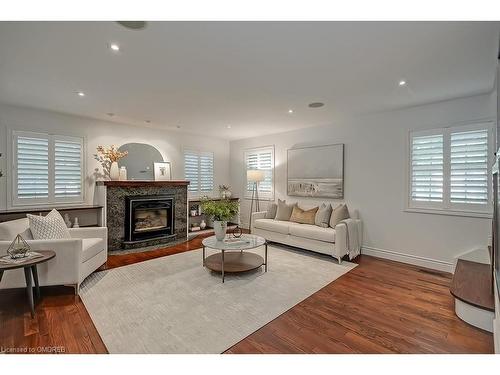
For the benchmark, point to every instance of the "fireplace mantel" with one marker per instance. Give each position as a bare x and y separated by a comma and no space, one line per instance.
142,183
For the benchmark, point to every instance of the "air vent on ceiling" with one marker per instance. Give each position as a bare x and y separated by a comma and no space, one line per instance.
133,25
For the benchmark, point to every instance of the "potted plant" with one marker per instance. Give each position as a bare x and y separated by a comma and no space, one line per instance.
220,211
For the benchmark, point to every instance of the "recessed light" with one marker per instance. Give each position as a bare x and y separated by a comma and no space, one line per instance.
316,105
80,93
114,47
178,126
148,121
229,126
133,25
402,82
110,114
290,111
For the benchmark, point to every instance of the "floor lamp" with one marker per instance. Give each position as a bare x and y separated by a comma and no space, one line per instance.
254,176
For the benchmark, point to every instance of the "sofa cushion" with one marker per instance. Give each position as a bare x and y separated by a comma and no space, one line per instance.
272,225
302,216
271,211
10,229
323,215
313,232
284,210
50,227
91,247
339,213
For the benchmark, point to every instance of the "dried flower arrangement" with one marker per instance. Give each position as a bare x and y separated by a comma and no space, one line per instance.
108,155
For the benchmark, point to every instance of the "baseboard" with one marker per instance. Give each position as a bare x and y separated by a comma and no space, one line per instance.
408,258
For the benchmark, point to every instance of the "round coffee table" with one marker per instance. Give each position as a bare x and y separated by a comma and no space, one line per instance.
232,258
29,266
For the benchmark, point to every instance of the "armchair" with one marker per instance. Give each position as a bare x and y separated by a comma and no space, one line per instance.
76,257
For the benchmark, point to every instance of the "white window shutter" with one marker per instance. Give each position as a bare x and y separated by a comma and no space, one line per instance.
469,167
48,169
32,167
68,169
427,168
199,171
261,159
206,172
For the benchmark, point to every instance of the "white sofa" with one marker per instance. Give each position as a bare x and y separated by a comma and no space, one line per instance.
331,241
76,258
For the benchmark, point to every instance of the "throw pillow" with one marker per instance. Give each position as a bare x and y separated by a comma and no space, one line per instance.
284,210
271,211
303,217
339,213
50,227
323,215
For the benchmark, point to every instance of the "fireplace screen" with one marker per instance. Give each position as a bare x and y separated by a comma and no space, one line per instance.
148,217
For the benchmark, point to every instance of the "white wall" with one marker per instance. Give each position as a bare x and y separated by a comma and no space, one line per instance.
169,143
375,178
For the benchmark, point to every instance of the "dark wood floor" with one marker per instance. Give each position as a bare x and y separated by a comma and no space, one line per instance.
379,307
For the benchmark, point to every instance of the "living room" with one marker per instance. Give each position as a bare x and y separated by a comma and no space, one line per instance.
264,187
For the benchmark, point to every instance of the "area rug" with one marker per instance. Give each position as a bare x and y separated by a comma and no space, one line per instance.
174,305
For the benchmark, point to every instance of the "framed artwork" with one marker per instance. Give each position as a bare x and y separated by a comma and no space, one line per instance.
316,171
163,171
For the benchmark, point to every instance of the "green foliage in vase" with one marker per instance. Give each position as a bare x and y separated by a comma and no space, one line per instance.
219,210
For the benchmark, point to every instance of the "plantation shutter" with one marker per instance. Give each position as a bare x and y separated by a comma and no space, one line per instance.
68,168
199,170
206,172
427,168
47,169
191,170
261,159
469,167
32,167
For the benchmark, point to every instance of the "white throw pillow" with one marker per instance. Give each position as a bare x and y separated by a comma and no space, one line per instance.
50,227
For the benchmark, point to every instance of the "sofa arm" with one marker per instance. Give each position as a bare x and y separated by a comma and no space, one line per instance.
61,270
257,216
88,232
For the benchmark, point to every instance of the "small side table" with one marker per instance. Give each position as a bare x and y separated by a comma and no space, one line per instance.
29,267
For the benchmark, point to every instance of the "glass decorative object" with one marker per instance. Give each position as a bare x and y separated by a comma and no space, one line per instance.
19,248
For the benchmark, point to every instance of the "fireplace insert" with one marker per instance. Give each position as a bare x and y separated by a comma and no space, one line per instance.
149,217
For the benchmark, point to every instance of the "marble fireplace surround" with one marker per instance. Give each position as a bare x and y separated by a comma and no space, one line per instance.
112,195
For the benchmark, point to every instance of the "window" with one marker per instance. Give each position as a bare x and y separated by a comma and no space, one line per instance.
199,171
450,168
261,159
47,169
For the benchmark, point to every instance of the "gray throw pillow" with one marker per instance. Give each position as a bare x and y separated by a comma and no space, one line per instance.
322,218
271,211
339,213
284,210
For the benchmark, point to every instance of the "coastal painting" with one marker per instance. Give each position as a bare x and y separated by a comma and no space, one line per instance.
316,171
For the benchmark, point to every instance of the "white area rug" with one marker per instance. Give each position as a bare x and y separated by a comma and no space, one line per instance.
174,305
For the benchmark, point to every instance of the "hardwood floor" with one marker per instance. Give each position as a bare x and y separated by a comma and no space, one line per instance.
379,307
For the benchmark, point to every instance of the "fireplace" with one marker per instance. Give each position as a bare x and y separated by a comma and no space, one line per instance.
149,217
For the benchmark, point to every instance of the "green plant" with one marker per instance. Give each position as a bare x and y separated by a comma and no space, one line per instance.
219,210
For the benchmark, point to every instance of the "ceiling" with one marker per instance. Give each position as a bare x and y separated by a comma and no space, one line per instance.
206,76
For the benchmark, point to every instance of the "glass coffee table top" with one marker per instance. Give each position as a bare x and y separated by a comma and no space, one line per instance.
245,242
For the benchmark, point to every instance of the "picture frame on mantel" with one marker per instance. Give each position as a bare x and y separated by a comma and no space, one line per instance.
163,171
316,171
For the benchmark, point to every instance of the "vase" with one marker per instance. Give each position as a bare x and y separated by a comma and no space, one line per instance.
203,225
123,174
220,228
114,171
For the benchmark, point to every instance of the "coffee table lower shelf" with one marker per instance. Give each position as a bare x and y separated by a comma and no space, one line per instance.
234,262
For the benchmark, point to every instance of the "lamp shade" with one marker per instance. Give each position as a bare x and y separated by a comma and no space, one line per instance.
255,175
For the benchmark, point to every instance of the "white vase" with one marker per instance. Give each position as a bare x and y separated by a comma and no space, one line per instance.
123,174
220,228
114,171
203,225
